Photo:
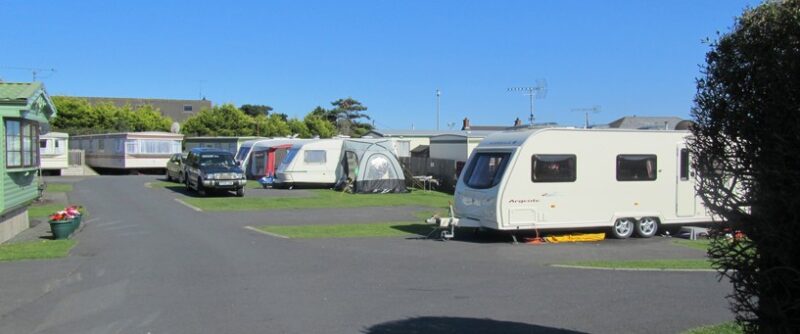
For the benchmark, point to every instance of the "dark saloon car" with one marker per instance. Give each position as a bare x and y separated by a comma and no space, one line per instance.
209,169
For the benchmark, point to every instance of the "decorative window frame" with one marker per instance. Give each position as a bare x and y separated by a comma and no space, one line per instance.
33,144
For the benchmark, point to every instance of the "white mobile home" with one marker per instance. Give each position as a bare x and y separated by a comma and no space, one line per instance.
457,146
629,181
53,150
131,150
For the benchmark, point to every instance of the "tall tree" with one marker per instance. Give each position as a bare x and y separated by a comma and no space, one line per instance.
77,116
224,120
256,109
745,152
299,128
319,126
348,113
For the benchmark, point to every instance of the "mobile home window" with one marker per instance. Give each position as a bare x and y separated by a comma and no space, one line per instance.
314,157
554,168
636,167
43,143
486,169
21,136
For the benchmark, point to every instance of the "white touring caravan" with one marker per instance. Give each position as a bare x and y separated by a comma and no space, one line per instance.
311,164
628,181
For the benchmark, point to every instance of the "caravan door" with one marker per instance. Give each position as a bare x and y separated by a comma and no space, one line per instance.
685,200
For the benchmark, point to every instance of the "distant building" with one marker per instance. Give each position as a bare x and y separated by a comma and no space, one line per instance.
178,110
643,123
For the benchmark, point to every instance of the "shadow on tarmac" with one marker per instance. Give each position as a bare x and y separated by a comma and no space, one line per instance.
444,325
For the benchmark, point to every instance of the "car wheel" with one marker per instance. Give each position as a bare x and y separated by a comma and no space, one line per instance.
186,181
180,178
622,228
240,192
169,177
200,189
646,227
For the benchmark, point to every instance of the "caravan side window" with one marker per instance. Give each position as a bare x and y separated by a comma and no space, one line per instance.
314,157
636,167
554,168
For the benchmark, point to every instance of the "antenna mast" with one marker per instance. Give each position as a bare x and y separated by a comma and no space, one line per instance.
34,71
594,109
536,92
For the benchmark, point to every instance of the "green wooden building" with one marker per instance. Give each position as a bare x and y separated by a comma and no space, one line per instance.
25,109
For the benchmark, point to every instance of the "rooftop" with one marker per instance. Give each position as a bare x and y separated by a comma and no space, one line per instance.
18,92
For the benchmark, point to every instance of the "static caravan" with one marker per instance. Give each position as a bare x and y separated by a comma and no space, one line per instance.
629,181
455,147
230,144
53,150
25,109
131,150
260,158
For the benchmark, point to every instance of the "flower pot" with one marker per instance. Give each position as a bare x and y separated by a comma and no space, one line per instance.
77,220
61,229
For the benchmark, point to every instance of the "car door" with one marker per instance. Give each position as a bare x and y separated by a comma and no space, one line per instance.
191,169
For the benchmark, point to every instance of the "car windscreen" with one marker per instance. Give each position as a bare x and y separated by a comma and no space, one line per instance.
242,154
486,169
218,160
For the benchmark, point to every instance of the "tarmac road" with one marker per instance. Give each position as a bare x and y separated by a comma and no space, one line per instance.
147,264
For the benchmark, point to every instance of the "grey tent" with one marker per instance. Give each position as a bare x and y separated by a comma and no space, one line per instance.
370,166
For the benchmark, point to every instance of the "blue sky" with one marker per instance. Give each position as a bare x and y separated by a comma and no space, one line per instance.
628,57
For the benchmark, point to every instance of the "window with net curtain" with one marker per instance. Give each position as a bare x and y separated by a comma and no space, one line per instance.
152,146
21,136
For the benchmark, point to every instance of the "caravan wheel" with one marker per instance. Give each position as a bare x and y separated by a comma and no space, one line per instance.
623,228
646,227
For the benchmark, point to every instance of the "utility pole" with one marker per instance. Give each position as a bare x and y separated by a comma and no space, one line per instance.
438,96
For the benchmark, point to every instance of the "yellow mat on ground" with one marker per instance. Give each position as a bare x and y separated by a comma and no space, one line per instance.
575,237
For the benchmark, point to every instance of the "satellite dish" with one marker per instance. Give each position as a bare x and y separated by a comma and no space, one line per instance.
175,128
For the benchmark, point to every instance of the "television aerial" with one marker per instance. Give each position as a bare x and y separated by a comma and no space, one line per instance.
35,72
594,109
535,92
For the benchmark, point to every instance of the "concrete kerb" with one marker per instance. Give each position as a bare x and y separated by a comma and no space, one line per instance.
632,269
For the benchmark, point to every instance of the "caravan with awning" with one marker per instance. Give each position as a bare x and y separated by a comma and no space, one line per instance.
365,165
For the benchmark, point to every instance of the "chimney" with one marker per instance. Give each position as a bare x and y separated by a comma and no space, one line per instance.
517,122
466,124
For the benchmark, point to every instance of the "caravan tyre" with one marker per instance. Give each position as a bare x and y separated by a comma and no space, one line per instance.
623,228
646,227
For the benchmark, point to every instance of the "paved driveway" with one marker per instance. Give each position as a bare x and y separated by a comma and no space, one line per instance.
147,264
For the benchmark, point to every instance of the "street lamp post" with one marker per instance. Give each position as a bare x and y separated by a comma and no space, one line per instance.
438,94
